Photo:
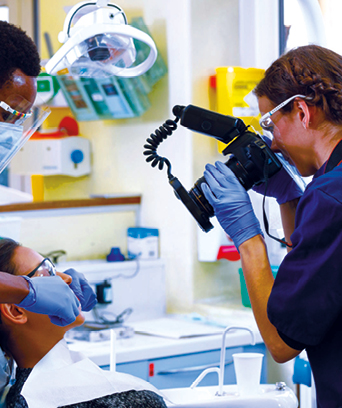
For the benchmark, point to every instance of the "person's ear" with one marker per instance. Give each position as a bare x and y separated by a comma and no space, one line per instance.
12,313
304,113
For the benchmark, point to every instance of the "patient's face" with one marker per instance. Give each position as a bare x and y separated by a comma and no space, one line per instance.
26,260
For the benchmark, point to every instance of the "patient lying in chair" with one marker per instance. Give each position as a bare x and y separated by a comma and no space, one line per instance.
48,374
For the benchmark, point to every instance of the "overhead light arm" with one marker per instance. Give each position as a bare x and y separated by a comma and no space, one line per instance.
100,43
65,34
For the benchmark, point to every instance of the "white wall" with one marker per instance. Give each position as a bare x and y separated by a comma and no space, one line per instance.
194,37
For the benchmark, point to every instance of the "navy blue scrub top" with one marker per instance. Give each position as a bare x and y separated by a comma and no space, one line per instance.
305,304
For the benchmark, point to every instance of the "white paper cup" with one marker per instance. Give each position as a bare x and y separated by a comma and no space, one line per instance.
248,371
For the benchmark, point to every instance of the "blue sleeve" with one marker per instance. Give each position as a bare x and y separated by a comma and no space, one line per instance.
307,294
292,343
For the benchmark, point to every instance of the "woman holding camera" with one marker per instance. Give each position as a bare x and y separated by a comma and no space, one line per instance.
300,100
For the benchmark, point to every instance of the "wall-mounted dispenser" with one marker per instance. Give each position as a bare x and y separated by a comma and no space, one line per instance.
215,245
58,152
69,156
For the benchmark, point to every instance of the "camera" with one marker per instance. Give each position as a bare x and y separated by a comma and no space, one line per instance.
250,158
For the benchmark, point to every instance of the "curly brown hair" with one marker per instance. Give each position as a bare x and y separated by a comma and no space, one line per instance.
310,70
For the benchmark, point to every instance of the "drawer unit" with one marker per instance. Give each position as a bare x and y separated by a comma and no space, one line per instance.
181,370
136,368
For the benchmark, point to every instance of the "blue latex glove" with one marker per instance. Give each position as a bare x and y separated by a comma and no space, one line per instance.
53,297
231,203
82,289
281,186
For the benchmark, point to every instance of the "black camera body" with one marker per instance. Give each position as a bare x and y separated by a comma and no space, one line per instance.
251,160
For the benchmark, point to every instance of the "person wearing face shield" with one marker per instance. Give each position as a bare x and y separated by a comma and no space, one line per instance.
19,67
300,100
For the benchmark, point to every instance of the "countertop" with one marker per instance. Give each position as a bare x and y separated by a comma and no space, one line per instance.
142,347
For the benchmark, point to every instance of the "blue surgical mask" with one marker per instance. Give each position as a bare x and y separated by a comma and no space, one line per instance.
11,140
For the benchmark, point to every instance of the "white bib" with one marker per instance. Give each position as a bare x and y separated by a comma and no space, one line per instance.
64,377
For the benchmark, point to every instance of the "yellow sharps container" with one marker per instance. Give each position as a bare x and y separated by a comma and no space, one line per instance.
232,85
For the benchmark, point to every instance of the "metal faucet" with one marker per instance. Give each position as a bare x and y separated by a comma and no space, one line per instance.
220,371
223,353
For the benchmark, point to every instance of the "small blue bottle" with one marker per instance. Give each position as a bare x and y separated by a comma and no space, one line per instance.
115,255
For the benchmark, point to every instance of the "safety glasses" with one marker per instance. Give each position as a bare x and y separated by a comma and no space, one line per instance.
266,121
45,268
10,115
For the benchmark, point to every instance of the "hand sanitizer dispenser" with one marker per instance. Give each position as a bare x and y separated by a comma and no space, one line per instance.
215,245
54,152
69,156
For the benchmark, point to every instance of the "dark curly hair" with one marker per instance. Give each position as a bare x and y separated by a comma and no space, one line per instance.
17,51
311,70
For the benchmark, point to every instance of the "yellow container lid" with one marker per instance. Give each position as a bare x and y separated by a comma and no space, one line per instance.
232,86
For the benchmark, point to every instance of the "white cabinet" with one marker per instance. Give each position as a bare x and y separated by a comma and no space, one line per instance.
170,362
182,370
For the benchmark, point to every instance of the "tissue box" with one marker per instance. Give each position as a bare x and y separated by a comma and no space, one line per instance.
142,243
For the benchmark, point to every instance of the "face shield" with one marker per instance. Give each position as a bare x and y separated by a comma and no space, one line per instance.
18,122
268,135
270,129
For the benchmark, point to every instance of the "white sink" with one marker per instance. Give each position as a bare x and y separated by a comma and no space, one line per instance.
269,397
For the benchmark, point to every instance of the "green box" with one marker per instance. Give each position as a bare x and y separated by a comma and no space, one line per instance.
244,293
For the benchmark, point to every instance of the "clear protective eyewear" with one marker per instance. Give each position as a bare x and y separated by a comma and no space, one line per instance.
12,115
16,126
266,122
45,268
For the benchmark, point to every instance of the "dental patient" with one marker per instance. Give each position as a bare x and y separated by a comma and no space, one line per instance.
48,374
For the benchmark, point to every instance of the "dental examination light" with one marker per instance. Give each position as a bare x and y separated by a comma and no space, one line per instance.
100,43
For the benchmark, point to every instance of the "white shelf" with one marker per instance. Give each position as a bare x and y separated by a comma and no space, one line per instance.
99,270
74,207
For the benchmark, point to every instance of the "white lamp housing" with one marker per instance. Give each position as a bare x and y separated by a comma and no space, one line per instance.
100,43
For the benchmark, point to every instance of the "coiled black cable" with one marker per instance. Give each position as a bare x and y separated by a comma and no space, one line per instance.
155,139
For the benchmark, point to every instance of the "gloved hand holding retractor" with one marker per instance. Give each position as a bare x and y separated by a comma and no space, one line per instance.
280,186
51,296
82,289
231,203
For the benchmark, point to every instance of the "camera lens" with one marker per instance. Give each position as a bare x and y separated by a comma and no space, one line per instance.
248,165
194,201
196,193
